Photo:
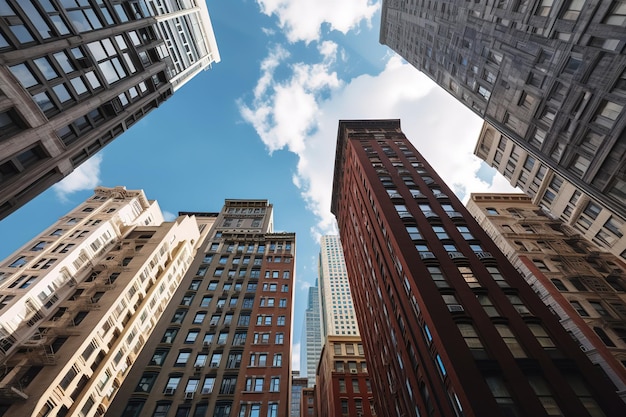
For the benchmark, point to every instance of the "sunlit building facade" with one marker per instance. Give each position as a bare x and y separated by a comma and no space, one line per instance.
223,347
335,296
582,284
77,74
448,326
548,189
549,74
78,302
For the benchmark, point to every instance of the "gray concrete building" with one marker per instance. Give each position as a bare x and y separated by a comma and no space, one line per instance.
549,74
74,75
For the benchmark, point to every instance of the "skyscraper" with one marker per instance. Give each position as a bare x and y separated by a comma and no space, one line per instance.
549,74
589,216
447,323
583,285
76,74
223,347
342,383
335,296
311,339
79,301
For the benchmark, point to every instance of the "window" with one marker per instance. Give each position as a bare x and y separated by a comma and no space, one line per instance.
617,14
542,336
597,305
438,277
208,384
579,165
199,317
146,382
544,395
604,337
18,262
272,410
559,284
511,341
201,359
502,396
172,384
182,358
469,277
169,335
280,338
192,335
278,360
471,339
275,384
484,92
216,358
179,315
158,357
497,276
491,211
579,308
342,385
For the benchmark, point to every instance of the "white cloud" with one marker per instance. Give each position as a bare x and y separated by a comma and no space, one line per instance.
284,113
85,177
169,216
302,20
294,114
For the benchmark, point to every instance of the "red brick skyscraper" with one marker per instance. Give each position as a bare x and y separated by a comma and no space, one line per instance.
448,325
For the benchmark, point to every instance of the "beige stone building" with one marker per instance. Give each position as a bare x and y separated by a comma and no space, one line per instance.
547,188
582,284
79,301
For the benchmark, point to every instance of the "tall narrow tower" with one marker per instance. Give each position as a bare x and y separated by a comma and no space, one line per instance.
311,339
335,298
223,347
448,325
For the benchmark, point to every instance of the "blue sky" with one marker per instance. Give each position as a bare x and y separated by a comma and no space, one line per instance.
262,123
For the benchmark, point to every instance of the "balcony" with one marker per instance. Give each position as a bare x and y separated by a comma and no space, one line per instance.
430,215
454,214
427,255
484,255
405,215
456,255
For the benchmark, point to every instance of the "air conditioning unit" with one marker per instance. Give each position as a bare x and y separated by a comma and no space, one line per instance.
206,344
189,395
455,308
583,348
84,62
169,391
353,371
